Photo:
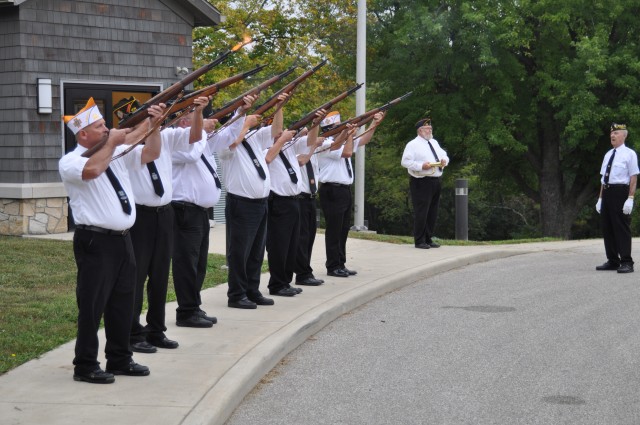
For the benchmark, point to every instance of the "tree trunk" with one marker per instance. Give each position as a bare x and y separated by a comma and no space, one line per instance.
558,209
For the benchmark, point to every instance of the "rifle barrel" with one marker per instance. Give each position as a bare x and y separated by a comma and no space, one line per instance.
309,117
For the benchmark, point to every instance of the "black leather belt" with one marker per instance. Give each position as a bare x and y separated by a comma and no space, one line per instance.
426,177
103,230
275,195
335,184
305,195
153,209
182,205
608,186
242,198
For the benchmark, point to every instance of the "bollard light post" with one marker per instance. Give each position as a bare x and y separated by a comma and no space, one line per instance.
462,209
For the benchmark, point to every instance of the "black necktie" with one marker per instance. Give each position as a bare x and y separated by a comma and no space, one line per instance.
608,171
292,173
348,164
312,178
155,178
435,155
261,172
124,199
212,171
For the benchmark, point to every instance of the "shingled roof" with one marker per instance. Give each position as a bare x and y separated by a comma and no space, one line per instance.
205,15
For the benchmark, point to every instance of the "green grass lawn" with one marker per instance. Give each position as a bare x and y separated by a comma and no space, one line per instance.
37,289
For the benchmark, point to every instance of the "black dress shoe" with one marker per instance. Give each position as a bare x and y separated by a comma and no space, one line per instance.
309,282
625,268
142,347
319,280
194,321
609,265
338,273
98,376
163,342
351,272
203,314
423,246
284,292
296,290
263,300
243,303
434,245
132,369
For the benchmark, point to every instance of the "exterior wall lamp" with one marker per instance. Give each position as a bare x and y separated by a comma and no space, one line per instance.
45,98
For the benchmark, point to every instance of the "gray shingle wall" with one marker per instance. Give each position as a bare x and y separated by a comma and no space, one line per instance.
76,40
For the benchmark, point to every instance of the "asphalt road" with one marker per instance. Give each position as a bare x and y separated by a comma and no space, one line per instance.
533,339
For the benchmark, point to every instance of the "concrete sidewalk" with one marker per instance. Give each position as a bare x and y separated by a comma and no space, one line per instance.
204,380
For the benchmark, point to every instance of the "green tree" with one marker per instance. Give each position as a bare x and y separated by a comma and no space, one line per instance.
523,90
284,33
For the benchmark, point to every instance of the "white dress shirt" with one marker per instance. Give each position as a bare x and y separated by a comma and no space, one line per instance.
625,165
302,149
333,167
281,183
95,202
240,175
192,180
173,139
417,152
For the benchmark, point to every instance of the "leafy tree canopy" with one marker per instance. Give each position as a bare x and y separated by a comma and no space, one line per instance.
525,90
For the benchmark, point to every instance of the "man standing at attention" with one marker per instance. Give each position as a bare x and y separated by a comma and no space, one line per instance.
152,236
248,181
618,185
196,188
424,159
103,208
336,177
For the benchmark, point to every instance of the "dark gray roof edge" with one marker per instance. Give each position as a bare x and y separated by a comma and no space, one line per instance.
11,2
206,15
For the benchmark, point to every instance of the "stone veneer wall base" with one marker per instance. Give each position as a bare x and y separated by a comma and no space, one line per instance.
39,216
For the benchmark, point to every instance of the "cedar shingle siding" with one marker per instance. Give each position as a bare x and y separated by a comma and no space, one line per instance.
123,41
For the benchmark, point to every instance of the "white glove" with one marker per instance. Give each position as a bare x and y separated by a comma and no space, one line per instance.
599,205
628,206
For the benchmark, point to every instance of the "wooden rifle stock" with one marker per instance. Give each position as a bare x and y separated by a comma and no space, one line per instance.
169,93
238,101
365,117
164,96
288,89
187,101
296,126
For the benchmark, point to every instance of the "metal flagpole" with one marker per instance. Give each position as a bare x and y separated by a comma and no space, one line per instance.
361,74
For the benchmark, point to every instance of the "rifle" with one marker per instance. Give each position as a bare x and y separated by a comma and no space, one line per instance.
238,101
185,105
365,117
169,93
360,120
144,136
311,115
273,100
289,88
234,104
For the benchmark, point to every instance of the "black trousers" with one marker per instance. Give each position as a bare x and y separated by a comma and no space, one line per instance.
425,197
190,253
105,285
308,228
616,226
152,238
335,201
283,232
246,238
